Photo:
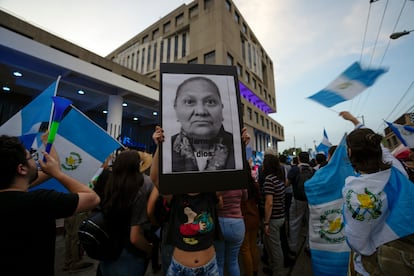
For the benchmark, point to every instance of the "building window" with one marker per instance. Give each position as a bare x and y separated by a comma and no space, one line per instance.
262,120
193,61
239,70
183,45
175,47
256,116
162,51
145,39
254,83
243,49
142,60
249,113
244,29
247,77
137,61
236,17
155,34
148,57
229,59
249,53
260,89
210,58
228,5
208,4
267,123
168,49
179,19
154,57
194,11
167,27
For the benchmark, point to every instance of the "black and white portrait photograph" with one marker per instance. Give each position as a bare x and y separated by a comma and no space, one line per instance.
201,122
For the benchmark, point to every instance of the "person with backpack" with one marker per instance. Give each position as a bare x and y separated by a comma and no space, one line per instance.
124,207
299,211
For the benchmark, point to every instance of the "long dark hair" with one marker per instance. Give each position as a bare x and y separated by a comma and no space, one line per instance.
271,165
123,184
365,151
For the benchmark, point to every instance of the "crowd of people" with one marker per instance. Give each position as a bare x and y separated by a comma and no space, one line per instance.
198,233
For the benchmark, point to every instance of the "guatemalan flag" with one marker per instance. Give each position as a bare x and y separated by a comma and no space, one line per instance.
81,144
349,84
329,250
404,133
324,145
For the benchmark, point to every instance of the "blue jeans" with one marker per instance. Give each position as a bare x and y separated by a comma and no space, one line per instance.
209,269
227,251
127,264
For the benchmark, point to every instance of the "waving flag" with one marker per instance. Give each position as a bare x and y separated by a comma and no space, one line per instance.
81,144
327,241
349,84
404,133
28,121
324,145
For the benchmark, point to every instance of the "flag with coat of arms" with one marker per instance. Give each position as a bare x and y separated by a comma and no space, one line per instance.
81,144
346,86
329,250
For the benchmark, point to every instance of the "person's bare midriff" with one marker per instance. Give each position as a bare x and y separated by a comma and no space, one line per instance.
194,258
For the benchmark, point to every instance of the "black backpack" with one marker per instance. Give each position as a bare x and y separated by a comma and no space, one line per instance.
101,239
305,173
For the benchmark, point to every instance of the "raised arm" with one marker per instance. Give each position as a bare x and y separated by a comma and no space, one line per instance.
88,199
158,137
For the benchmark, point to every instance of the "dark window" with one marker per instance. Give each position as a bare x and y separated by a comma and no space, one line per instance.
148,57
229,59
193,61
155,34
167,27
175,47
179,19
210,58
243,45
193,11
145,39
236,17
249,113
162,51
256,116
228,5
154,58
239,70
244,28
142,60
208,4
183,45
168,49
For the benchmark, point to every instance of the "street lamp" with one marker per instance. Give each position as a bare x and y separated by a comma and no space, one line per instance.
399,34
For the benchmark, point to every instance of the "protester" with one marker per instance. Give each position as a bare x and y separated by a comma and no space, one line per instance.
376,203
274,218
249,251
202,143
193,224
125,205
232,227
299,212
28,234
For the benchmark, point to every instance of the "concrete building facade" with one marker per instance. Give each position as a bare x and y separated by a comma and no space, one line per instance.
391,140
211,32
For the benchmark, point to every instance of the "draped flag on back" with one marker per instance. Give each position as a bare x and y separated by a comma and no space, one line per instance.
329,250
404,133
349,84
324,145
81,144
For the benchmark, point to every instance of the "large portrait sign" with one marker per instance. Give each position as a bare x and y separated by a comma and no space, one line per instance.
202,123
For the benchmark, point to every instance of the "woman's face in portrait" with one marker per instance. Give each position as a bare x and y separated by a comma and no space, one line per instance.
199,109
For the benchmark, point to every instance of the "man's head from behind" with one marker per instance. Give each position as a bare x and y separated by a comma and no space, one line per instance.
12,154
199,107
303,157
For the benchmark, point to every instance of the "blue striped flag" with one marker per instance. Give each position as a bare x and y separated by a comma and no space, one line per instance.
404,133
349,84
327,241
81,144
324,145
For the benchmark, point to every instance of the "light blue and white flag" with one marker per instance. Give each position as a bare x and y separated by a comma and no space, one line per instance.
82,147
404,133
324,145
349,84
27,122
327,241
81,144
